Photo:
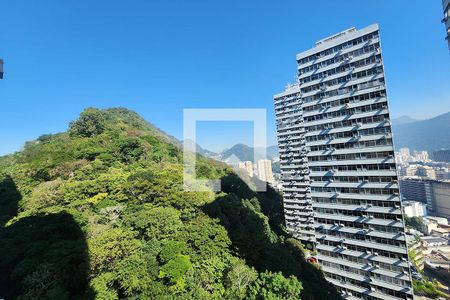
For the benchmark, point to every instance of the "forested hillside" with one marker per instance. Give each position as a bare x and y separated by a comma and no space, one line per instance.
98,212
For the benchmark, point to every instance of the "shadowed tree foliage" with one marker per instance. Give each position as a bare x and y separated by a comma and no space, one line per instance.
253,236
43,256
99,212
9,199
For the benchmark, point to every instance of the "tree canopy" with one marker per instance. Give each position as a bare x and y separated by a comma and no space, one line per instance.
99,212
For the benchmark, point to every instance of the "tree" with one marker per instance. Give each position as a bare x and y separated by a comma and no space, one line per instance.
91,122
174,270
414,222
238,279
110,247
274,286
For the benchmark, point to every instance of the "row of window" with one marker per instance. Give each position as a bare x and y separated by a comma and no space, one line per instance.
379,252
380,228
362,167
353,145
345,90
343,79
365,285
351,156
363,191
281,102
355,179
348,123
359,260
345,112
342,68
339,47
348,134
337,59
357,202
357,213
362,238
388,279
293,109
352,99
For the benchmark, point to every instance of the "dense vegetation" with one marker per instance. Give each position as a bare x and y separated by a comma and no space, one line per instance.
414,222
99,212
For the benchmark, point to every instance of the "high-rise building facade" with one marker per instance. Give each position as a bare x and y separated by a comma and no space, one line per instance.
441,155
294,170
339,174
446,19
415,188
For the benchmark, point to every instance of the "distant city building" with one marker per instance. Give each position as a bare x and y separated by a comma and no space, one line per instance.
417,189
442,174
426,171
446,19
264,167
405,155
436,194
419,170
441,198
338,165
247,166
433,241
414,209
421,156
411,170
441,155
438,220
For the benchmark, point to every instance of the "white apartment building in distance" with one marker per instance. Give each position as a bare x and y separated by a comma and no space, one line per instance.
264,167
247,166
338,168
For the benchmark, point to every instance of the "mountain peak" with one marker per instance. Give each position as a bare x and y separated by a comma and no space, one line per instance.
431,134
403,120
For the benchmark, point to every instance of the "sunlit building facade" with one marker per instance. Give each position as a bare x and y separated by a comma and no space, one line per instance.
340,181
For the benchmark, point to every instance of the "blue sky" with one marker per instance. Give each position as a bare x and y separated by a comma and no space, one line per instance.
158,57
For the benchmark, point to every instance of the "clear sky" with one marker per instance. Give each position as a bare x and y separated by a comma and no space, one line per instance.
158,57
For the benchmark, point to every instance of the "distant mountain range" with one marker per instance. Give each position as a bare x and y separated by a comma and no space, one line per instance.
403,120
244,152
429,135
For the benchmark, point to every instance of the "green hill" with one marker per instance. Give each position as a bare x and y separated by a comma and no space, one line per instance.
98,212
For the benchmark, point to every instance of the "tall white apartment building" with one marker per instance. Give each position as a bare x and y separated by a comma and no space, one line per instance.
264,167
338,168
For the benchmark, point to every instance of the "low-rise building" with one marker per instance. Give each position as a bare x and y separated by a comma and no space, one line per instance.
433,242
415,252
414,209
